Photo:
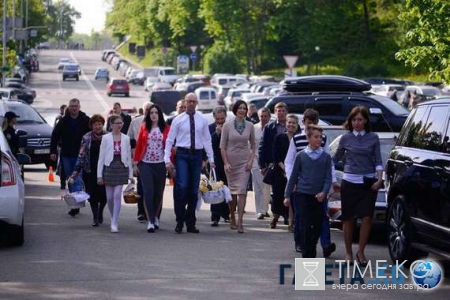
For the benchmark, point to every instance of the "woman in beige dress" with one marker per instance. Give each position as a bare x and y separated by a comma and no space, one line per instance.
237,146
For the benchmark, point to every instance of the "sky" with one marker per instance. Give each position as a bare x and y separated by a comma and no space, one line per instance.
93,14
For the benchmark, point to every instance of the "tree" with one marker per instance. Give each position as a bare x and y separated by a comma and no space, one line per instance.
62,20
427,39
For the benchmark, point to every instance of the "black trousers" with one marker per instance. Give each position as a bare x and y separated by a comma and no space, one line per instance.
220,210
311,216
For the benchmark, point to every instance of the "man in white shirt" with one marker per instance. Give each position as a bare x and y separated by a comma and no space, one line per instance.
191,131
133,132
261,191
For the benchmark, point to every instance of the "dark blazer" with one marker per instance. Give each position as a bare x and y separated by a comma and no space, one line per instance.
218,160
265,150
70,137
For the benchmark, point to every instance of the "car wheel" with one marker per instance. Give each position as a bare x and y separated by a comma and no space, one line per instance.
16,235
400,234
127,95
109,94
78,78
64,78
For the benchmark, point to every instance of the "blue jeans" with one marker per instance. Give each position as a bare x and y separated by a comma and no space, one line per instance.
188,166
69,163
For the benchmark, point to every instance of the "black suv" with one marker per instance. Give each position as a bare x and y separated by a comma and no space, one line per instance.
335,96
418,184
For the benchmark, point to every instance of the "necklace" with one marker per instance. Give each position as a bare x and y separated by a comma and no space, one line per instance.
240,127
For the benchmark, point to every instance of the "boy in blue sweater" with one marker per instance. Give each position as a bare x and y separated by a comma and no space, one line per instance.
312,177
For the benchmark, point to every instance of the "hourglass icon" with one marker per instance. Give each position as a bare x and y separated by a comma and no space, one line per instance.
310,267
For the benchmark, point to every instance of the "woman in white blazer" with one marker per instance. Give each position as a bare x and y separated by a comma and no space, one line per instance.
115,167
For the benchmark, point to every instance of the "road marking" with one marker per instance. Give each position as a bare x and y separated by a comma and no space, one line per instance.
92,87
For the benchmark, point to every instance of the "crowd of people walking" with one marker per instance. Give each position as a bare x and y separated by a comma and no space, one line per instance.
286,160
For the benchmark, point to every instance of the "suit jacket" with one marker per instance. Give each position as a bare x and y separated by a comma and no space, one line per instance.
265,150
218,160
107,153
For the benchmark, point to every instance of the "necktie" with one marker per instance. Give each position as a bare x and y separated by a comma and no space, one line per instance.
192,125
359,137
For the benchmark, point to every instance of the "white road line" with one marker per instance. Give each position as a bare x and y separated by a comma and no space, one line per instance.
92,87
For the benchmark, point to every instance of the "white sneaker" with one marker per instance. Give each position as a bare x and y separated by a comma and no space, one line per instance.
114,229
157,224
150,227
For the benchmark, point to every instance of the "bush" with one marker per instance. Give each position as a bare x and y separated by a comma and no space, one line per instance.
221,58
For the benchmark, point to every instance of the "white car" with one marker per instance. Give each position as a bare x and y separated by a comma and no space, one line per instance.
207,97
62,62
233,96
12,196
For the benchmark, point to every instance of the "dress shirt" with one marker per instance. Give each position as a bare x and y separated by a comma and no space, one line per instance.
180,130
313,154
135,125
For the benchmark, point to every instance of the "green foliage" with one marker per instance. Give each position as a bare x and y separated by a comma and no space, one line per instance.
428,37
221,58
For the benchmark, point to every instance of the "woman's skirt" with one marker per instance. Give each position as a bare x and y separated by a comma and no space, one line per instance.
116,173
357,200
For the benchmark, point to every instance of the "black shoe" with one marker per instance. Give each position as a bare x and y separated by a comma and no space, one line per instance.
298,249
215,223
73,212
95,224
260,217
267,215
179,228
100,220
193,230
142,218
328,250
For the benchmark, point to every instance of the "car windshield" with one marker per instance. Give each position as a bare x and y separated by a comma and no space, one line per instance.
26,114
64,60
71,68
169,72
393,106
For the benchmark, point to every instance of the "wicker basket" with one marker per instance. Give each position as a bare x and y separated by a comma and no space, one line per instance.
215,196
129,195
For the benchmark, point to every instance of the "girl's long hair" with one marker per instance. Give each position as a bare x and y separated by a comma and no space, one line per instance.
161,121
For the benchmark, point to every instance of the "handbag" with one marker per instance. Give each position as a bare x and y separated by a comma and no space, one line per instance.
270,174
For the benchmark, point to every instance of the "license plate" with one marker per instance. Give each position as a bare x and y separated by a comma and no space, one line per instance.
119,87
42,151
381,217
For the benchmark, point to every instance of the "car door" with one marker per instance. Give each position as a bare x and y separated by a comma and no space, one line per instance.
330,109
442,168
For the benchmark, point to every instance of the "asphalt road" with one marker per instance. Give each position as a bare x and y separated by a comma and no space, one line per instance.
66,258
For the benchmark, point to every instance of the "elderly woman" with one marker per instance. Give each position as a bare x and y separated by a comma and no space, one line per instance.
363,170
237,146
87,165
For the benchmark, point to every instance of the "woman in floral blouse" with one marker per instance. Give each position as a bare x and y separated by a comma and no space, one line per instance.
149,163
87,165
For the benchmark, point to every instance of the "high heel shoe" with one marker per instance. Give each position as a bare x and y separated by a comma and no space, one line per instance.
240,229
233,223
361,263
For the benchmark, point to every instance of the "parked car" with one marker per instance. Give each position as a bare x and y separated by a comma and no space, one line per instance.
39,132
21,86
387,142
118,86
428,91
233,96
418,185
335,96
258,101
71,71
166,99
7,94
207,98
101,73
106,53
24,95
62,62
12,196
386,90
161,74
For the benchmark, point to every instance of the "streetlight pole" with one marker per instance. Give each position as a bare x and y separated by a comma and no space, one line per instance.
60,24
317,48
4,43
26,23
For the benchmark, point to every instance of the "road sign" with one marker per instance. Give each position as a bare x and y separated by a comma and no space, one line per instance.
193,49
5,69
288,73
193,56
132,48
182,64
140,52
33,33
290,60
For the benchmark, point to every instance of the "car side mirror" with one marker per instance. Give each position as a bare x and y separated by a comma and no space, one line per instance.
376,111
23,159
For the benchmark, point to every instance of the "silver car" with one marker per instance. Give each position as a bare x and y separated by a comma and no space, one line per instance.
12,196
